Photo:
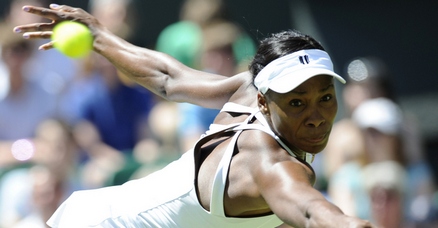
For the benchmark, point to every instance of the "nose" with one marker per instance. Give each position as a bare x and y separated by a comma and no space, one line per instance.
315,119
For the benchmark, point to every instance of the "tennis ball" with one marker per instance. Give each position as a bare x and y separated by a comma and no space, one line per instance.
73,39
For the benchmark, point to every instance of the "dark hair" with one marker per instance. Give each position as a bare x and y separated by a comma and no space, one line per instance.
280,44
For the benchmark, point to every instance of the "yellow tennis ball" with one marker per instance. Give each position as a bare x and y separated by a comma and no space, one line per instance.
73,39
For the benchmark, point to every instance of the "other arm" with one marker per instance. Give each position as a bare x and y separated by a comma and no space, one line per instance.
292,198
286,185
156,71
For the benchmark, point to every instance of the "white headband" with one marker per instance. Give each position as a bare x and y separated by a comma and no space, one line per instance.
286,73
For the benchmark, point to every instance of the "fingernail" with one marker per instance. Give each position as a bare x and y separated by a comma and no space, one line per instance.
26,8
17,30
26,36
54,6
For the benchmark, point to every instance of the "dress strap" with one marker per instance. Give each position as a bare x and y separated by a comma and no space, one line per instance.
221,174
229,107
269,132
308,157
220,179
237,108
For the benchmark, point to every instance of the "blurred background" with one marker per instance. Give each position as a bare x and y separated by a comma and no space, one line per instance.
64,125
401,33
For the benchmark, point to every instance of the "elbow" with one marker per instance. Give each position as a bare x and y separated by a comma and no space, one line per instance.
169,91
166,90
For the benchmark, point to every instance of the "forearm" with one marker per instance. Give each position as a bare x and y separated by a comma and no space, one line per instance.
292,198
158,72
153,70
321,213
313,213
164,75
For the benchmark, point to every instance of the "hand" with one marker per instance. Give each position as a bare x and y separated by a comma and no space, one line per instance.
56,14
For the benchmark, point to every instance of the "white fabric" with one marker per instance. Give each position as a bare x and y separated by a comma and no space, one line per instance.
287,72
220,180
166,198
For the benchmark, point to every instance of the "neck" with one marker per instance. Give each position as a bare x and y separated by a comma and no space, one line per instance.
292,150
298,152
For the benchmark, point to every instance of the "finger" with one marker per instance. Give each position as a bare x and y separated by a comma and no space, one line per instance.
62,7
54,13
37,35
46,46
43,12
37,27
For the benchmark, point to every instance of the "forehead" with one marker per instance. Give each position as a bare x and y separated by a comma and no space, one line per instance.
312,87
316,82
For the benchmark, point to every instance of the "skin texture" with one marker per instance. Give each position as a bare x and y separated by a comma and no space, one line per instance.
263,177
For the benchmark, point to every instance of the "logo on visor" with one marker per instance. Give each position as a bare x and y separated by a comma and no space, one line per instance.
304,59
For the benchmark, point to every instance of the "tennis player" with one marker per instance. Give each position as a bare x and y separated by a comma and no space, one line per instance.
251,169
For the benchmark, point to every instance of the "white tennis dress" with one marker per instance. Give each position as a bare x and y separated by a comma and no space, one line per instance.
166,198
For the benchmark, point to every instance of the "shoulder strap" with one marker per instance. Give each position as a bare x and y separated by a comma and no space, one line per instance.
269,132
237,108
220,179
229,107
265,127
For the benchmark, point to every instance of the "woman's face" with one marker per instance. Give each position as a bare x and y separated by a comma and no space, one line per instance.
304,116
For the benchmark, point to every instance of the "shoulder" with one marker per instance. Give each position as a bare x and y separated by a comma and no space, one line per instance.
246,92
269,158
245,80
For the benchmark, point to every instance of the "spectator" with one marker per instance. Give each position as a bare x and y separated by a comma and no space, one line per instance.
25,103
370,79
30,194
382,121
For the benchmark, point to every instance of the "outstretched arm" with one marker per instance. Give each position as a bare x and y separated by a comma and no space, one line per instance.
286,185
290,195
156,71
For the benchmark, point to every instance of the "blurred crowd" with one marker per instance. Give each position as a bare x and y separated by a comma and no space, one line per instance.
374,165
71,124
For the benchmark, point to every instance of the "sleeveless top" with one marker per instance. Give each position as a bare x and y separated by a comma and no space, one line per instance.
167,198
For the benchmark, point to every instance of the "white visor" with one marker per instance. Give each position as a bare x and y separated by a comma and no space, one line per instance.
286,73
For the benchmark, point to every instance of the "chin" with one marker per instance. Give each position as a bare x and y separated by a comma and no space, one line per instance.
314,152
315,149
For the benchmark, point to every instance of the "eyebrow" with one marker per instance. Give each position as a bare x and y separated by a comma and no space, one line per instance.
331,85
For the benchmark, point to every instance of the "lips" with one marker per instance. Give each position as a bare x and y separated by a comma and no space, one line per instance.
317,139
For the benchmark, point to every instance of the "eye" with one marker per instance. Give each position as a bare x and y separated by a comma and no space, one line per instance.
327,97
296,103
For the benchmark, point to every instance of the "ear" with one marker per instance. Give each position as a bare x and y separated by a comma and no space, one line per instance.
262,103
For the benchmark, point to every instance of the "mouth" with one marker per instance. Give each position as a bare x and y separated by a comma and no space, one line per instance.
317,139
